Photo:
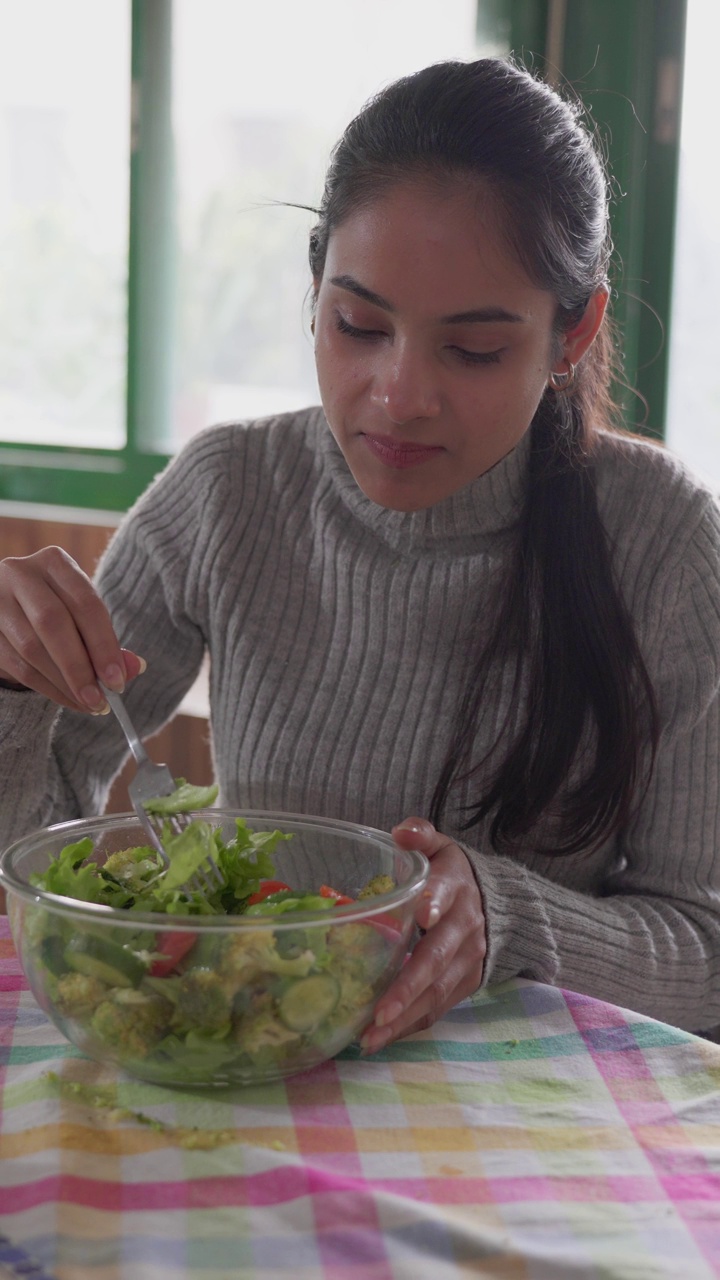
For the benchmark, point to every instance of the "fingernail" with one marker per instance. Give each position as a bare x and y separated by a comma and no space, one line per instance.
114,678
374,1040
104,711
433,915
143,665
388,1014
92,697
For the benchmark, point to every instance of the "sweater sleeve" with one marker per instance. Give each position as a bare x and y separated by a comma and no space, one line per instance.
56,764
650,940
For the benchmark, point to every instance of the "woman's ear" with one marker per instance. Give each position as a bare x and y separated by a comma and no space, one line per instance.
577,340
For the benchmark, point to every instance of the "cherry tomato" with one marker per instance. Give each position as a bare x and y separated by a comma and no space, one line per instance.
389,926
173,947
266,888
341,899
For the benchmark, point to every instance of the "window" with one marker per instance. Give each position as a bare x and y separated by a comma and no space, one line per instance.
694,385
135,312
153,279
64,163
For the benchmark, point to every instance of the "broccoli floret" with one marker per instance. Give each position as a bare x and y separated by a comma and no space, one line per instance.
248,955
122,864
249,1000
354,995
263,1031
356,1002
357,950
78,994
202,1002
130,867
378,884
131,1022
349,939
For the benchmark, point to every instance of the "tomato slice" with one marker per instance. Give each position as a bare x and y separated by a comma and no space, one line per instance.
389,926
173,947
266,888
341,899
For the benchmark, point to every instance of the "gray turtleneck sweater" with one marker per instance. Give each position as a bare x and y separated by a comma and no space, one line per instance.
339,633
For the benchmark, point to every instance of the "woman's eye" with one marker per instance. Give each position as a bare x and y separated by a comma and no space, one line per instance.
373,335
369,335
477,357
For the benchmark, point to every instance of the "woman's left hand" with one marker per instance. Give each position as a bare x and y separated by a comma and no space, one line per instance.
447,963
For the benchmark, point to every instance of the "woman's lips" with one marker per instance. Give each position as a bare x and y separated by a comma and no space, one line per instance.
400,453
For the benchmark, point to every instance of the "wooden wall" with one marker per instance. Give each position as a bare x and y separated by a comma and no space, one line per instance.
184,743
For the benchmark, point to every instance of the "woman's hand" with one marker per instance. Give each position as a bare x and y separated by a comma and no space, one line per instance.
55,633
447,963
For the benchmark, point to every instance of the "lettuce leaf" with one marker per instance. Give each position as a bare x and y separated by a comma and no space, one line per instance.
72,877
183,800
277,904
243,862
186,851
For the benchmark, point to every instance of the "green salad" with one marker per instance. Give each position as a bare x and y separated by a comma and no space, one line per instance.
198,1005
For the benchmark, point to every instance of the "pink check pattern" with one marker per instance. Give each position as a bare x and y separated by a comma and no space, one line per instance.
532,1134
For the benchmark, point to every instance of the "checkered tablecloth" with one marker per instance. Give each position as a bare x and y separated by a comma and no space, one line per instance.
531,1135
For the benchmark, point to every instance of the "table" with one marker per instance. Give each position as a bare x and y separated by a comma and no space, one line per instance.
532,1134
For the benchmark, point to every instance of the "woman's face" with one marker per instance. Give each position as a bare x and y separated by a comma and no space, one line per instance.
433,347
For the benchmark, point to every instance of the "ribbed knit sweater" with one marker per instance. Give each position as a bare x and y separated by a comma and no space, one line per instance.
339,634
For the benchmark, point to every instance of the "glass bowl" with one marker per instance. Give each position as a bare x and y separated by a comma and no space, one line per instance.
232,999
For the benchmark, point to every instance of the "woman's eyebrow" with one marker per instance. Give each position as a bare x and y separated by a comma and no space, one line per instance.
483,315
353,286
480,315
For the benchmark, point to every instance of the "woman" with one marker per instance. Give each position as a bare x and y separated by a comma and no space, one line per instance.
467,600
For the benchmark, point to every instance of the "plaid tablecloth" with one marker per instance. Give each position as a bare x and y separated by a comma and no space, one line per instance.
533,1134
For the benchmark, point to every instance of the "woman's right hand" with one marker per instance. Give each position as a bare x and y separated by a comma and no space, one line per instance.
55,633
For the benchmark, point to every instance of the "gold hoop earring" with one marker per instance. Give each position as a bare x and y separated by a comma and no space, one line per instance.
563,382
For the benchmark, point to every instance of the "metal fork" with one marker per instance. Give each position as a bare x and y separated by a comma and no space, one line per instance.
152,780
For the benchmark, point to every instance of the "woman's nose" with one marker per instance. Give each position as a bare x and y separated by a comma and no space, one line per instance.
406,389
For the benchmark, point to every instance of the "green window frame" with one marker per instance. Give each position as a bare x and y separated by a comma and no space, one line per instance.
624,57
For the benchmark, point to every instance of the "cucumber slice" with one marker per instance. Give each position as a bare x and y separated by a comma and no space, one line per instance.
52,954
306,1002
107,961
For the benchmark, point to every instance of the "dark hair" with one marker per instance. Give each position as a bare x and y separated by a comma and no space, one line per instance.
561,619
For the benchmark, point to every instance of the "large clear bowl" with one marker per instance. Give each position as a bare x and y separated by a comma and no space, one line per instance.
254,998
